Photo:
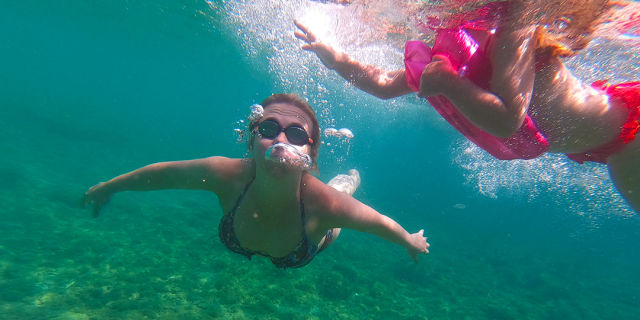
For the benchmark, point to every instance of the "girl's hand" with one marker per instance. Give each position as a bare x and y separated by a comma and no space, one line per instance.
97,196
326,53
417,244
437,77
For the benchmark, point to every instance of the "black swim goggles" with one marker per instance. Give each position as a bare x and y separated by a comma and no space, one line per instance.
270,129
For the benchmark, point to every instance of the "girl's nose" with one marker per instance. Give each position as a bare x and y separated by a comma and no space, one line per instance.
281,137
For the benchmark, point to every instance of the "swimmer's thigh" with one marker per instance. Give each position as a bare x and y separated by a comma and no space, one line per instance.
625,173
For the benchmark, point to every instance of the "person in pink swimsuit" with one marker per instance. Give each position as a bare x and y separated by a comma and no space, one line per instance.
506,88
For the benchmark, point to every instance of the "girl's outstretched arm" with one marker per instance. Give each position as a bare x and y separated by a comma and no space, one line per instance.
343,211
205,174
368,78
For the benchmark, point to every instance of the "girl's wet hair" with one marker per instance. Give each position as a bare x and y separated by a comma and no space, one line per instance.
579,20
564,26
299,103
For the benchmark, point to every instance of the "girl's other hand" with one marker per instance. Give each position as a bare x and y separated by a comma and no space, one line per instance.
417,244
438,77
97,196
326,53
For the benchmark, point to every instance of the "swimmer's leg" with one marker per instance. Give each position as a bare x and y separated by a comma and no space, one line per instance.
343,183
346,183
623,169
329,238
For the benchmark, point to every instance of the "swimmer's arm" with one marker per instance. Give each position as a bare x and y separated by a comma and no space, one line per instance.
483,108
350,213
187,174
501,110
202,174
513,73
371,79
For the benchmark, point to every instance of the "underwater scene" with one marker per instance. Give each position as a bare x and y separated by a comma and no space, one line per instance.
93,89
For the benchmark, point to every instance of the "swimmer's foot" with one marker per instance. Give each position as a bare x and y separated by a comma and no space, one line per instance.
355,175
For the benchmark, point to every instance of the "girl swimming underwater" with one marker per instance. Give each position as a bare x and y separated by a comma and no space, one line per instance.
274,207
500,80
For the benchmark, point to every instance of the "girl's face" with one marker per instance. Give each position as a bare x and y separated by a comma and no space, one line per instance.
281,123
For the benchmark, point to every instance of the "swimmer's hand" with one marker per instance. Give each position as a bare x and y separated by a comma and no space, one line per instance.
417,244
438,77
326,53
97,196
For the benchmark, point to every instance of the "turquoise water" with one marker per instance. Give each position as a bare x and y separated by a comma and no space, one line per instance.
93,89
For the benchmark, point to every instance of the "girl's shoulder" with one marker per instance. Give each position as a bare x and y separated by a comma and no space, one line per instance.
230,171
320,197
229,177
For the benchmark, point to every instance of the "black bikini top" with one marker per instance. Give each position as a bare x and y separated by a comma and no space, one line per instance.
304,252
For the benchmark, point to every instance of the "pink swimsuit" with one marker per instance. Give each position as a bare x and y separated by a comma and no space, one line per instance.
629,94
469,58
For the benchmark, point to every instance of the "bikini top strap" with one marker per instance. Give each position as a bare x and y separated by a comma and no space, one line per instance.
246,188
302,213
